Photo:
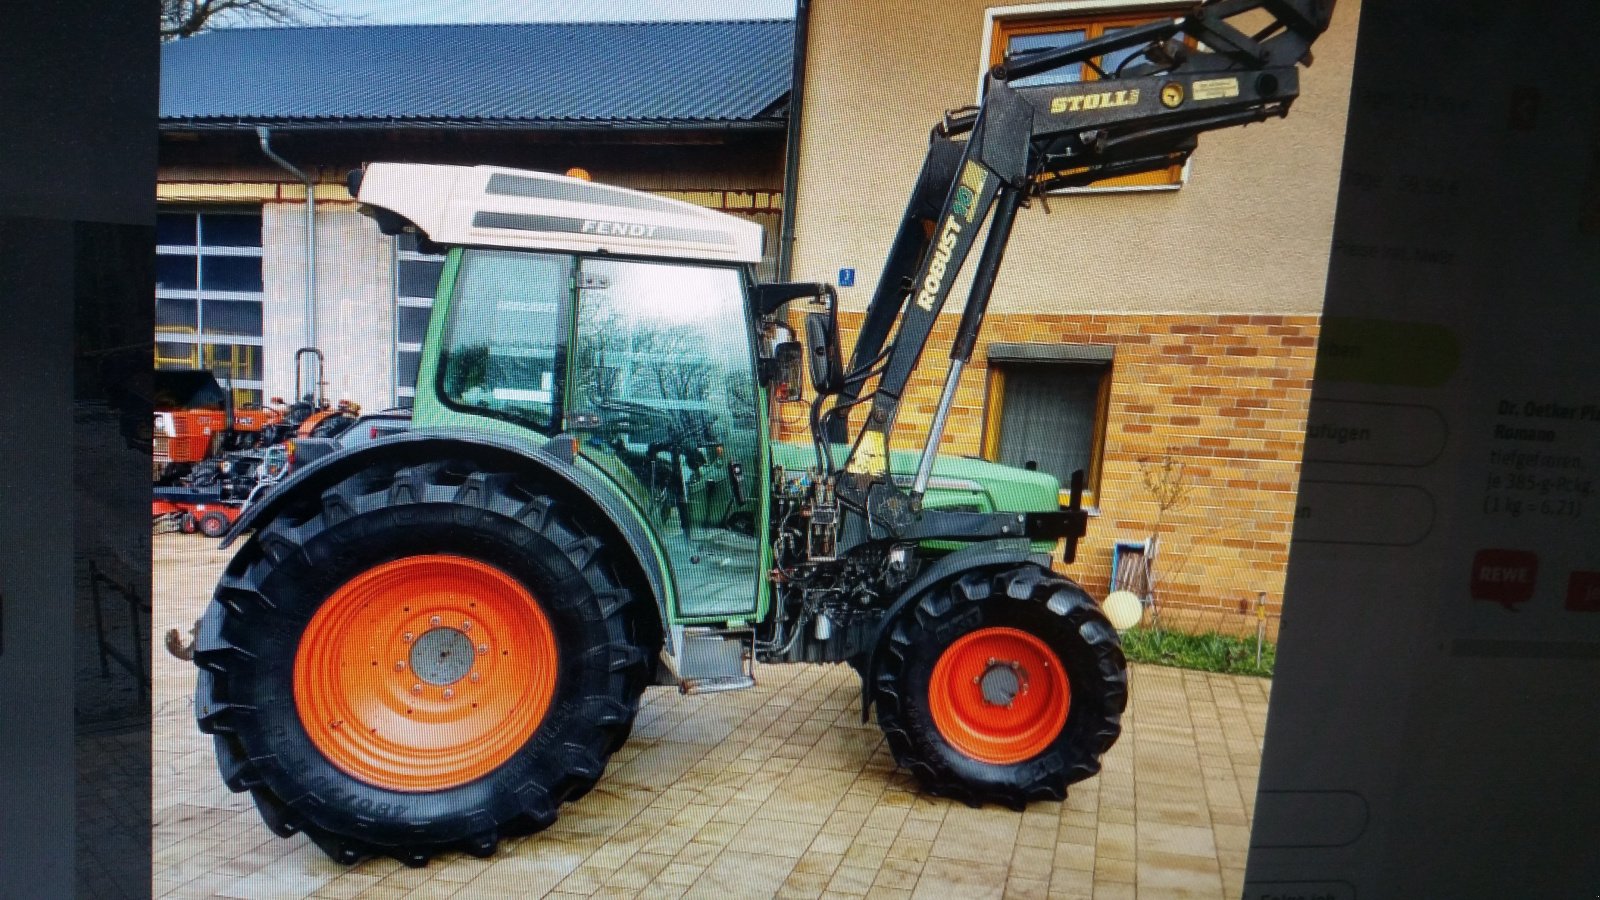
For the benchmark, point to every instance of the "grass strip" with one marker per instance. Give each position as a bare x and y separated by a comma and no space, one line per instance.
1207,652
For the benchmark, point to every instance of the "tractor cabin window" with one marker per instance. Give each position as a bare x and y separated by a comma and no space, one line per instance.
416,279
1047,410
208,295
505,334
1031,30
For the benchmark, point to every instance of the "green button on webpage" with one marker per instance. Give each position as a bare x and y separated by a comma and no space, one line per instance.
1380,351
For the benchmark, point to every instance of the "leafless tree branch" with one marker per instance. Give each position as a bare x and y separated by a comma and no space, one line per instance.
185,18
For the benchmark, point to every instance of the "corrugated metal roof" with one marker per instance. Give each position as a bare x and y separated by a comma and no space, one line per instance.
525,75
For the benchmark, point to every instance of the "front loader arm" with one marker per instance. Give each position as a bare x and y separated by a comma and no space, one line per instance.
1023,141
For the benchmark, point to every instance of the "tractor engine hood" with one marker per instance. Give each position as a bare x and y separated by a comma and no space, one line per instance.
1006,487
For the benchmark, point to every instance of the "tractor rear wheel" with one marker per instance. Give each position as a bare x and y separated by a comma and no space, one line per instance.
426,659
1002,686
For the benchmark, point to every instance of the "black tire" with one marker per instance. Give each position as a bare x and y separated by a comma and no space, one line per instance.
187,524
1031,599
213,524
606,640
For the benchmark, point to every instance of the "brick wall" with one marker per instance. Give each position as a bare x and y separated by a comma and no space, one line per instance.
1225,394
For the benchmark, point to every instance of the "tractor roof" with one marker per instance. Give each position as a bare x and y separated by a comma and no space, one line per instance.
488,206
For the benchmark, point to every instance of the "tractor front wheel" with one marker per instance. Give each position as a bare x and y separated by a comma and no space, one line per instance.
423,659
1002,686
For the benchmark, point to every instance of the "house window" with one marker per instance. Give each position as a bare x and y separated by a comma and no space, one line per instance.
1014,30
1047,410
416,278
208,295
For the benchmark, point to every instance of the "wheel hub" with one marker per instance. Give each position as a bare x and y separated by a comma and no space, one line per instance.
1001,682
442,656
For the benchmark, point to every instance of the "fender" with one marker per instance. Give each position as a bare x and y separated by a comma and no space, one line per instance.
973,556
553,460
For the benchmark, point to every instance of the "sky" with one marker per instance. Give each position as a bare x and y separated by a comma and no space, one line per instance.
391,12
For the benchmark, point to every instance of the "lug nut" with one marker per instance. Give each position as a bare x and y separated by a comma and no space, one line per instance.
449,693
435,620
476,678
483,648
416,689
466,626
400,665
408,637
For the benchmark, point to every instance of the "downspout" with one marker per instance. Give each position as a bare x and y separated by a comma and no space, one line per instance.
311,237
791,161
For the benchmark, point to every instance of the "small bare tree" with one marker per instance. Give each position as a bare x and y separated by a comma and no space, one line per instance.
185,18
1166,478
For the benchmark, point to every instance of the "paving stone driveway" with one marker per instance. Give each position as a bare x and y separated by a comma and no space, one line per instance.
778,791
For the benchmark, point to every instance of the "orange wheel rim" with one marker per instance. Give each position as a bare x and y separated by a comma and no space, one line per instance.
999,695
425,673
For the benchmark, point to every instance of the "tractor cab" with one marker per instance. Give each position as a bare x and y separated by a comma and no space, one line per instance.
618,320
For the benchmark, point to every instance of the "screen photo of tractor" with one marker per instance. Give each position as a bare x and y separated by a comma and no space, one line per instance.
637,476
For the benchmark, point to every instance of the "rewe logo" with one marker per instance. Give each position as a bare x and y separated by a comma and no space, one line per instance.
1505,577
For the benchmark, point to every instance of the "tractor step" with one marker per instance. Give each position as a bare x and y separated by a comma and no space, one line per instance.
708,661
716,685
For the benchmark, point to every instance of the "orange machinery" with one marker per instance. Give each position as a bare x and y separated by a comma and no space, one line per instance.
191,421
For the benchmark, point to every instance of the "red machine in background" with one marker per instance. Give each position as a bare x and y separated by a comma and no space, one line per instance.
210,459
191,422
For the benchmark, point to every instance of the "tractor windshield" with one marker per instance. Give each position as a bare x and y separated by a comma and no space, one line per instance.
664,392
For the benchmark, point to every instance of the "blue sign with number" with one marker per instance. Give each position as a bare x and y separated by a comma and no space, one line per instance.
847,278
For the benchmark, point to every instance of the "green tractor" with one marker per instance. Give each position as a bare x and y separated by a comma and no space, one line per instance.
433,640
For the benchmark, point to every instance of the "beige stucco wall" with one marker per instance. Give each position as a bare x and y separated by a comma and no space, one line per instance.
1248,233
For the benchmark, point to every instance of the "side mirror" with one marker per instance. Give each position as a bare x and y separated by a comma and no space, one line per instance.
822,353
821,348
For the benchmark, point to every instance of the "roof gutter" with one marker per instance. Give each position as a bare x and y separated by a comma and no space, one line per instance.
791,160
264,136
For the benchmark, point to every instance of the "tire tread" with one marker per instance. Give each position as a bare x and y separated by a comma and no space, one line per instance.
358,503
1103,676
